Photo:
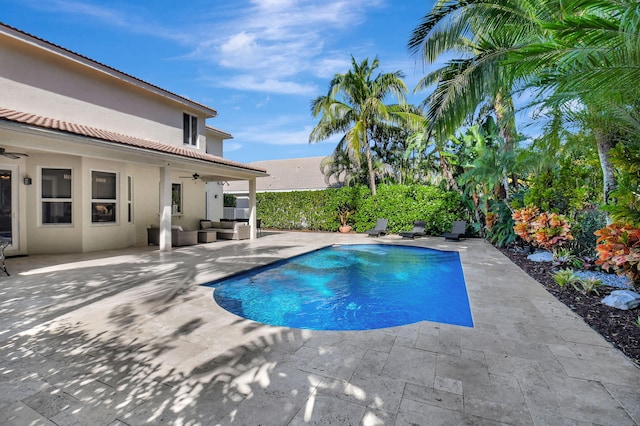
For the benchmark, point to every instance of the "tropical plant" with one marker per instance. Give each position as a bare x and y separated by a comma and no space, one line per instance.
589,59
524,222
499,225
552,230
585,223
563,257
565,277
541,229
627,193
344,213
355,104
582,57
480,33
619,250
587,285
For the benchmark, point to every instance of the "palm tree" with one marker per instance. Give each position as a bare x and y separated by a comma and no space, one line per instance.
590,57
354,105
585,51
482,32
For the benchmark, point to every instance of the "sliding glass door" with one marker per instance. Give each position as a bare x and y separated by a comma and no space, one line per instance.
8,204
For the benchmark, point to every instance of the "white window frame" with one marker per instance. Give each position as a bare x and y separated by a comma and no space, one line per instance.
129,199
189,129
42,200
105,200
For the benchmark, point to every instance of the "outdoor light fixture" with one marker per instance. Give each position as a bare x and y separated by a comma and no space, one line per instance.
27,180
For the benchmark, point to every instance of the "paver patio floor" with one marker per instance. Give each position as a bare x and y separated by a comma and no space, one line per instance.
130,338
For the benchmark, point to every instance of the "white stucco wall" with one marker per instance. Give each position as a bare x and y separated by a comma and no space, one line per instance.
84,235
38,82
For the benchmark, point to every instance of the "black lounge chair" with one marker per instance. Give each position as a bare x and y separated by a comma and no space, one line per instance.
458,230
380,229
417,231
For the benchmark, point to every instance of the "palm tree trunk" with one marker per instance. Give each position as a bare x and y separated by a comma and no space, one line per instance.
372,177
507,130
605,144
446,170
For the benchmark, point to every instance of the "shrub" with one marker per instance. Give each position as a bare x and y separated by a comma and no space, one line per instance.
401,205
545,230
585,224
499,225
619,250
229,200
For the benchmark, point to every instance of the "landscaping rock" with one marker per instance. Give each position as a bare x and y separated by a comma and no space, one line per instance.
541,256
622,299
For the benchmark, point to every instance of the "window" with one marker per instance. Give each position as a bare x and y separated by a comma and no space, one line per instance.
176,198
190,129
56,196
103,197
130,199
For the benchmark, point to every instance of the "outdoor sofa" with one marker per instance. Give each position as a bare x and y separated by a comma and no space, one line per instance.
179,237
227,230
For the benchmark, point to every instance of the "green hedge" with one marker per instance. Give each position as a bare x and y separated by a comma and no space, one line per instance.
402,205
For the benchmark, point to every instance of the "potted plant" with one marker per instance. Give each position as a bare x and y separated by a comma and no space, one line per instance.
344,213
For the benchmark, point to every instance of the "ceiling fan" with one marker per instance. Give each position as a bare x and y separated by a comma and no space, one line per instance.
194,176
13,155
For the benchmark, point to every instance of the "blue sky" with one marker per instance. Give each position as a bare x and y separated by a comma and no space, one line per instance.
259,63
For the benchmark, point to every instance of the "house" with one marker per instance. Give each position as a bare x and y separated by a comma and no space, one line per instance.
90,157
295,174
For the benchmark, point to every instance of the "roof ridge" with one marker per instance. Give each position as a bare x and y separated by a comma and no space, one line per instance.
57,46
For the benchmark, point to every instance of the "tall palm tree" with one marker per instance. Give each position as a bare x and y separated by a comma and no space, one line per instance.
355,104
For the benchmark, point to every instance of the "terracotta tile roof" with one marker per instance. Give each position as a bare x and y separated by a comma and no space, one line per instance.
71,52
106,135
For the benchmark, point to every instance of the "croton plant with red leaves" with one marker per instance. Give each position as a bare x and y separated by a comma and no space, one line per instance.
619,250
545,230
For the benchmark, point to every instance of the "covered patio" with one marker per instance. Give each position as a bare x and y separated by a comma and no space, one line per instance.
130,337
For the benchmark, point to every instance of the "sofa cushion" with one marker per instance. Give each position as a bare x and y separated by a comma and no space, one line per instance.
205,224
227,225
176,227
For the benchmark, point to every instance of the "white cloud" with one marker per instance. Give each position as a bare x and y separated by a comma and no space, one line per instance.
281,131
273,46
232,146
278,41
327,68
268,85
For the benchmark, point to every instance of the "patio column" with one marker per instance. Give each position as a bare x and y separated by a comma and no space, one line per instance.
165,209
252,208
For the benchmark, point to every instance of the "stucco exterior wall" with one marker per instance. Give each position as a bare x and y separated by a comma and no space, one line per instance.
83,235
38,82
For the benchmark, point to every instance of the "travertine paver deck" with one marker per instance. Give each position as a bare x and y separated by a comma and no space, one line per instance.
128,337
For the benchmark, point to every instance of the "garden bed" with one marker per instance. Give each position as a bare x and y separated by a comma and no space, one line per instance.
615,325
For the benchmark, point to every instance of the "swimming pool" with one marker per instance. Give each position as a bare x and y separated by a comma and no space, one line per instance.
351,287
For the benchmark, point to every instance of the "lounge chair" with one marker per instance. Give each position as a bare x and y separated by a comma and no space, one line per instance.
458,229
417,231
380,229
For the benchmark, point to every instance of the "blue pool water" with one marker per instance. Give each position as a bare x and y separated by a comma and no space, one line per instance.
351,287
